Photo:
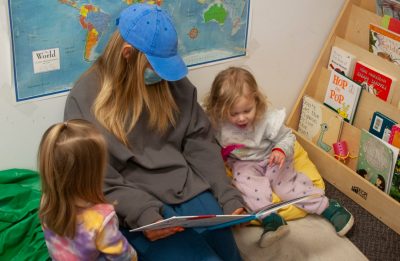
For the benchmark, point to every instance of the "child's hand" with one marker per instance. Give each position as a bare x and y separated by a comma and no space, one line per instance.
276,158
156,234
240,211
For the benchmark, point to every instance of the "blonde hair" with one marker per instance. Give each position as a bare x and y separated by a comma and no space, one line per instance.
72,161
227,87
123,94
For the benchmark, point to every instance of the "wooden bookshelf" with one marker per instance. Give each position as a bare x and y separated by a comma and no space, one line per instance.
351,33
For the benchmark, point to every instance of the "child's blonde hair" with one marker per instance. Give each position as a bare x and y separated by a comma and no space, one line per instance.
72,161
123,94
227,87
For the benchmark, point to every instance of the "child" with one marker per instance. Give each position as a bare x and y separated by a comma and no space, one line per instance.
261,153
78,224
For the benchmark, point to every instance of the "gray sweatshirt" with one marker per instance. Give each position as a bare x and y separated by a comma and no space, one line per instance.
157,170
259,140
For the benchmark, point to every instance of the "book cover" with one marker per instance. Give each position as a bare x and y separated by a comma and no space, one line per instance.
374,81
319,124
384,43
342,95
395,184
341,61
388,7
220,221
381,126
394,137
376,160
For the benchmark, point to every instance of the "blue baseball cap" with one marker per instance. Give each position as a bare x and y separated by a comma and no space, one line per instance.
150,29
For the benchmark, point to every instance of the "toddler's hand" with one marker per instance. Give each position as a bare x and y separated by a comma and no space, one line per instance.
276,158
156,234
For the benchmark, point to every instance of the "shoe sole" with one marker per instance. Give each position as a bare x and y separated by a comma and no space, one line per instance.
269,238
347,227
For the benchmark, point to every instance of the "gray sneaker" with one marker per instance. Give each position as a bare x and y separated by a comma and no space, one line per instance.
339,217
275,227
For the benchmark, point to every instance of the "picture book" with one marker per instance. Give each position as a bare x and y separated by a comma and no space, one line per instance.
384,43
341,61
391,23
381,126
376,160
394,137
319,124
374,81
395,184
342,95
388,7
220,221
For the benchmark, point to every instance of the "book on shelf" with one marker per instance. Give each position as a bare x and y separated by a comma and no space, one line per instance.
394,139
391,23
220,221
319,124
388,7
342,95
341,61
381,126
384,43
376,160
374,81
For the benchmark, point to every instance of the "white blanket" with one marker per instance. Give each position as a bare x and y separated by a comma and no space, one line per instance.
310,238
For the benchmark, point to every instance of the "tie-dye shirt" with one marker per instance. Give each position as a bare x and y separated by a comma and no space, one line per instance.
97,237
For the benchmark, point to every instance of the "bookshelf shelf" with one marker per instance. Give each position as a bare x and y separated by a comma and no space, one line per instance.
351,33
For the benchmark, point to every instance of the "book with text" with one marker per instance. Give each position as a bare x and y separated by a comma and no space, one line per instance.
376,160
341,61
319,124
342,95
384,43
394,139
381,126
220,221
374,81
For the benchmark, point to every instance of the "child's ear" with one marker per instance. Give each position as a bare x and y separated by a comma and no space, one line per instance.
126,50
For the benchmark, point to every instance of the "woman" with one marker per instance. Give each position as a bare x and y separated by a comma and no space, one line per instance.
163,160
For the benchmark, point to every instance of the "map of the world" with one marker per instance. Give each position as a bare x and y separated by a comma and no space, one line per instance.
55,41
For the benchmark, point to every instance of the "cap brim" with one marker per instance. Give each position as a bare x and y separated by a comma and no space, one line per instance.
171,69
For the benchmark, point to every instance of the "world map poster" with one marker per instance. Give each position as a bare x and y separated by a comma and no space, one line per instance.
55,41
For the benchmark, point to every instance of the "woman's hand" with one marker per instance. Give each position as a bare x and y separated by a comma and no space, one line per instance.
156,234
276,157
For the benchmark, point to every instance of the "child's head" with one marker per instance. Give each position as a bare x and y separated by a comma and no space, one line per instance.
235,97
72,160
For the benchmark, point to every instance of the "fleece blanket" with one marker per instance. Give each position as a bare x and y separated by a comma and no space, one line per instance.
310,238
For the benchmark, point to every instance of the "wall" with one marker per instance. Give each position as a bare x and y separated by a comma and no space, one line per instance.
284,41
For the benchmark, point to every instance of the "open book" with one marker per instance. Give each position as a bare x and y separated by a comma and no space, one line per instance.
220,221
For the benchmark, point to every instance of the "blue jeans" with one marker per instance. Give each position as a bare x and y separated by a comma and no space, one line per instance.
191,244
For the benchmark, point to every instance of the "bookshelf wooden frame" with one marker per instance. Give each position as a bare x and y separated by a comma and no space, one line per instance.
351,33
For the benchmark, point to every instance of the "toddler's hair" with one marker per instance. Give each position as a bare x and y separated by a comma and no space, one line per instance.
72,161
227,87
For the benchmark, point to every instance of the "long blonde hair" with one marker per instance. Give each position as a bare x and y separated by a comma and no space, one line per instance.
227,87
124,95
72,161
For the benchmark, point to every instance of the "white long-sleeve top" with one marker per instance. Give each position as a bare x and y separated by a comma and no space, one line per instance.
259,140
